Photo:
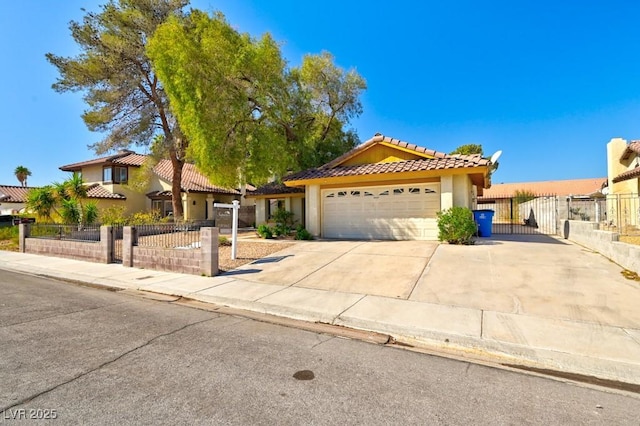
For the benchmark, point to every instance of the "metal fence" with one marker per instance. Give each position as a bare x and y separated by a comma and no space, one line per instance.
85,233
523,215
622,214
185,236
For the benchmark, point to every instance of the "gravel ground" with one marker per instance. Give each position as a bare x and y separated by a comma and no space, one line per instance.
248,251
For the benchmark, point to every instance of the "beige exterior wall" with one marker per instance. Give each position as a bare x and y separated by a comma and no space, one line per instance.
10,208
313,219
92,174
462,191
615,149
297,207
446,192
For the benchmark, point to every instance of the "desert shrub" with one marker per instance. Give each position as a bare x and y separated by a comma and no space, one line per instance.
456,225
9,237
223,241
283,222
303,234
113,215
265,231
144,218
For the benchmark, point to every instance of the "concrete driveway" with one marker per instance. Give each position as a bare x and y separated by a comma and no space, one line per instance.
525,274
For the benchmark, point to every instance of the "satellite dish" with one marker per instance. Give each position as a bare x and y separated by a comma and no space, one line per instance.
494,157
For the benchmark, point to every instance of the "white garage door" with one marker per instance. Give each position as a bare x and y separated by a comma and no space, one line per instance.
399,212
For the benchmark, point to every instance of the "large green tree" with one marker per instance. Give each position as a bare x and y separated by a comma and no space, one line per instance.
125,98
468,149
246,114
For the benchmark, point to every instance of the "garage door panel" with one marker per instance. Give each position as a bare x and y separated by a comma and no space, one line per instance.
389,212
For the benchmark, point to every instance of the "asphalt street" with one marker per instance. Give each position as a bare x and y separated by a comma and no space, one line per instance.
78,355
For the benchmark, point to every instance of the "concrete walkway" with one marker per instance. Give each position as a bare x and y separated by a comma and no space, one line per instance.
533,301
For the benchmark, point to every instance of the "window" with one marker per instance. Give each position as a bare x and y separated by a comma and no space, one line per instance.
114,174
106,174
355,193
429,191
414,190
342,193
385,192
273,205
398,191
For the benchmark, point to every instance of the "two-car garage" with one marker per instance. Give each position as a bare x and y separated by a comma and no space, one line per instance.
396,212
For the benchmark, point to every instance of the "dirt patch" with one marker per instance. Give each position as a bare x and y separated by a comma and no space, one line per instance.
8,245
248,251
630,239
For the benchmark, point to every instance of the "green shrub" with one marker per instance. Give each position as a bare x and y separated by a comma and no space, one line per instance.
9,237
265,231
303,234
223,241
145,218
456,225
113,215
284,222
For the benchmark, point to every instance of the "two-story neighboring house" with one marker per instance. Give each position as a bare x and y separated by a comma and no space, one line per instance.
108,180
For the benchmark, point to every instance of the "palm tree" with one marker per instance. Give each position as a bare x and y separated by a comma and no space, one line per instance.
22,173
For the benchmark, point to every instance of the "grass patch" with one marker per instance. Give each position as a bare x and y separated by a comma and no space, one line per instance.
9,238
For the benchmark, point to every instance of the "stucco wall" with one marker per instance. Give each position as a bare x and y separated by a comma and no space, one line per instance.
604,242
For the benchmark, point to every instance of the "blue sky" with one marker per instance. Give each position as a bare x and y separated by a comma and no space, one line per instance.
547,82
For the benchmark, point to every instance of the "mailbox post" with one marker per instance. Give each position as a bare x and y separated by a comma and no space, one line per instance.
234,225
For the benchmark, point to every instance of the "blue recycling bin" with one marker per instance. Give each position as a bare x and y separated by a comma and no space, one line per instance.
484,219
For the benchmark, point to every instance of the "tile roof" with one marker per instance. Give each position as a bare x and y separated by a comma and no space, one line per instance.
14,194
275,188
98,191
124,157
378,138
192,179
629,174
632,148
551,187
448,162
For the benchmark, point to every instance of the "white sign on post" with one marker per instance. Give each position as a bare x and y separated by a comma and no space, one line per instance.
234,225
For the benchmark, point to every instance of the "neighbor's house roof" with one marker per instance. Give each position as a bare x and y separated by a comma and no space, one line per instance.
124,158
629,174
98,191
273,189
551,187
192,180
14,194
427,160
632,148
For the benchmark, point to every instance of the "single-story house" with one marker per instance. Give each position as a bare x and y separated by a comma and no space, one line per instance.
108,180
382,189
13,199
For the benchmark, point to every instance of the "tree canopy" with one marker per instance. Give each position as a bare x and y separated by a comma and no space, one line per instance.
246,114
468,149
125,99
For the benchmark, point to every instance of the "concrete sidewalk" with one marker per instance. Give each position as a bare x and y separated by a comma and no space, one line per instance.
541,303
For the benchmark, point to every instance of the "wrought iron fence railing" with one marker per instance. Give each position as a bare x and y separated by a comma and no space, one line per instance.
86,233
185,236
622,214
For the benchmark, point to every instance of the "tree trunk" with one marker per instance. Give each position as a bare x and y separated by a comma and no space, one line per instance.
176,187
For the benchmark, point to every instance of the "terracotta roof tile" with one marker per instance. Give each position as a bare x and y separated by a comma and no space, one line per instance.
14,194
98,191
124,157
551,187
632,148
192,179
629,174
450,162
275,188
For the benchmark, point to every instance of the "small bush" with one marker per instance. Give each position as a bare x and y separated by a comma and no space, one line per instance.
113,215
456,225
223,241
265,231
303,234
145,218
284,222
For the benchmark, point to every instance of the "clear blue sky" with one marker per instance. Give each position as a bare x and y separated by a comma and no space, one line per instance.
547,82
